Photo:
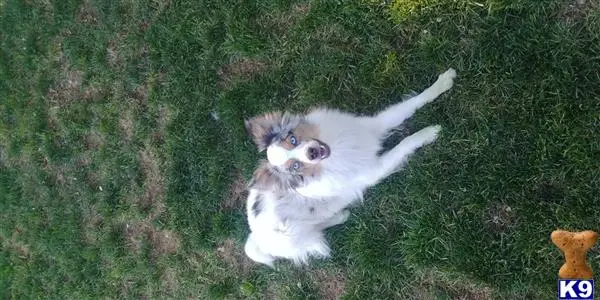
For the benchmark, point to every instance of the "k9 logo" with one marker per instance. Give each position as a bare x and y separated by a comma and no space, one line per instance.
575,289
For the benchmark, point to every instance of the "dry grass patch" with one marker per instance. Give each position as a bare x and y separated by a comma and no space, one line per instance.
330,284
429,282
164,242
13,245
233,256
244,69
236,194
91,222
154,183
168,281
87,13
164,116
282,21
576,10
126,126
68,89
93,140
141,94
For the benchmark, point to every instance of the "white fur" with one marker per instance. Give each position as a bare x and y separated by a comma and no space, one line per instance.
290,225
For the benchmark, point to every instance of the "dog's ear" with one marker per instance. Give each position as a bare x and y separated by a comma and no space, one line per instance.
264,177
264,128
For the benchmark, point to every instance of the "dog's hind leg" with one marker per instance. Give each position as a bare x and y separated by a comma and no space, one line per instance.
392,160
396,114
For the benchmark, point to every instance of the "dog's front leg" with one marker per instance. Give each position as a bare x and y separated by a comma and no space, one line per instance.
394,115
392,160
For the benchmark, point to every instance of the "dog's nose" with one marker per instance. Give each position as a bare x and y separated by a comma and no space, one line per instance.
313,153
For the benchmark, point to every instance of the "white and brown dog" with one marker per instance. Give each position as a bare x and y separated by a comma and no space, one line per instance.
317,165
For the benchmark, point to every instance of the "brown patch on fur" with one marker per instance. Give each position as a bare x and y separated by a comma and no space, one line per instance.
242,70
263,176
68,89
500,217
126,126
331,284
573,11
236,194
306,131
428,283
87,13
232,255
260,128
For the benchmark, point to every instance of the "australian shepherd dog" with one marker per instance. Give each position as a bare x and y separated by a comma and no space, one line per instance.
317,165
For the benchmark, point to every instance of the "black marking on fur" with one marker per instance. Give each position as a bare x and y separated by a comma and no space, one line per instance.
257,206
312,210
268,138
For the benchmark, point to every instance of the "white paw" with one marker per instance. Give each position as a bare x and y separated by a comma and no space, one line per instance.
340,217
445,81
429,134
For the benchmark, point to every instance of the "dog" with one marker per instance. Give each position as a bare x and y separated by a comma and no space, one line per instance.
317,165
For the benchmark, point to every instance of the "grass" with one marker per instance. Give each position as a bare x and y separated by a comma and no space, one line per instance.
123,152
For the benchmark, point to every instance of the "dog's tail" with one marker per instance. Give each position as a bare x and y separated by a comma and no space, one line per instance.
253,252
297,248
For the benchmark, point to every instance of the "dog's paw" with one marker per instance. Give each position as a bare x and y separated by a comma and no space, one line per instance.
446,80
340,217
429,134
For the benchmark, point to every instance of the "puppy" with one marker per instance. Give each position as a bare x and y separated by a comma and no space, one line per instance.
317,165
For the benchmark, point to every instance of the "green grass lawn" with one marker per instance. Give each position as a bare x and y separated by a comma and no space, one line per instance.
123,155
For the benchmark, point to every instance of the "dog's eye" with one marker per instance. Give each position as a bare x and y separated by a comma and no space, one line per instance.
293,140
296,166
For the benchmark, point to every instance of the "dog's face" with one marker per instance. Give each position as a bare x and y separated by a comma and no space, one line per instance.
294,151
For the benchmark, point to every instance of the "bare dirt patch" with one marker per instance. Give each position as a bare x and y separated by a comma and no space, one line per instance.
331,284
232,255
236,194
243,70
428,283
